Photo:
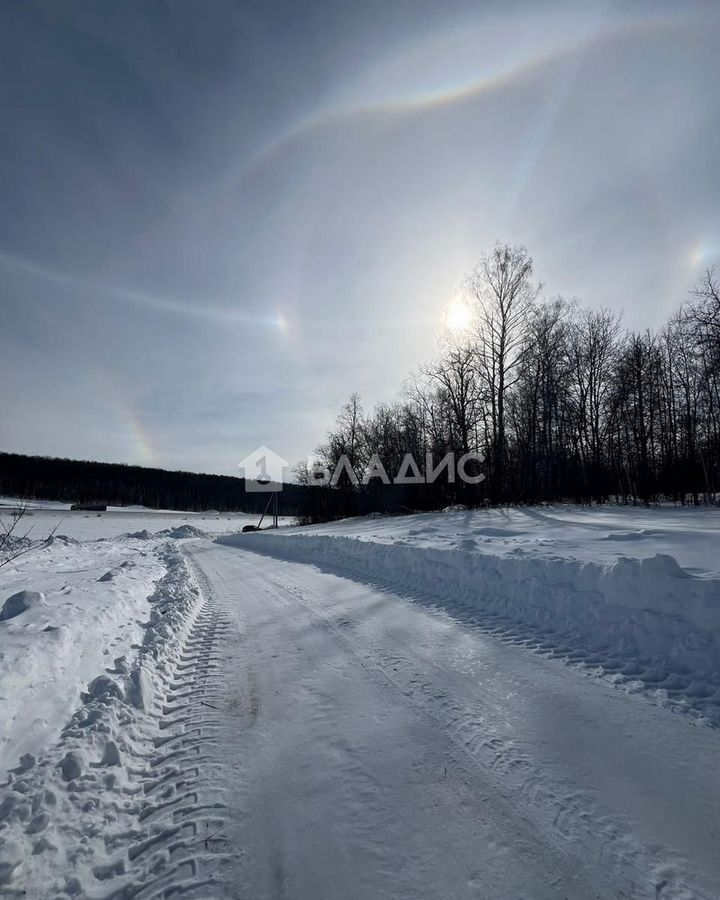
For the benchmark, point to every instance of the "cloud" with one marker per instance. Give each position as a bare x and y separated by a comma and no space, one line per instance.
230,221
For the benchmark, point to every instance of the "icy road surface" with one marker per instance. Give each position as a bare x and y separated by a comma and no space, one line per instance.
366,747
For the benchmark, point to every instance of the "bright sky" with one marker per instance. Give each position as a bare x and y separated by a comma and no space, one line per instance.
217,220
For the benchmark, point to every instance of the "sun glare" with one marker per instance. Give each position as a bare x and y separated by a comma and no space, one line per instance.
458,316
704,253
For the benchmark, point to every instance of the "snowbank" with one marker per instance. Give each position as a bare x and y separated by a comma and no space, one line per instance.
68,814
648,620
599,535
67,610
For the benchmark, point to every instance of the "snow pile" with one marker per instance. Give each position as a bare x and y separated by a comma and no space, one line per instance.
60,539
647,620
183,531
142,535
66,817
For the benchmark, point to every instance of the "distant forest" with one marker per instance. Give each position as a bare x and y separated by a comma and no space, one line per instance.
73,481
559,399
76,481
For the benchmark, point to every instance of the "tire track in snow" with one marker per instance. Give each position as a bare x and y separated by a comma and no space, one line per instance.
186,851
129,802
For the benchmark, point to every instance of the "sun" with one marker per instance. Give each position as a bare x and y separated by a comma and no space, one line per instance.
458,316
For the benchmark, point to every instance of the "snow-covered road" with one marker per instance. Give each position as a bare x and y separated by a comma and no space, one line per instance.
371,747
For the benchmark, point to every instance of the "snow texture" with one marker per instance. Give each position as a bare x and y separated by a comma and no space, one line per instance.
69,819
644,618
437,705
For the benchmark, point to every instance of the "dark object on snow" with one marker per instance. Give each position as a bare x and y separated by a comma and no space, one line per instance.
90,507
19,602
249,528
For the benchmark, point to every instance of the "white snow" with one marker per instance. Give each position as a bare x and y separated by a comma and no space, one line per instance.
634,592
372,747
444,705
85,600
94,601
65,812
45,515
598,534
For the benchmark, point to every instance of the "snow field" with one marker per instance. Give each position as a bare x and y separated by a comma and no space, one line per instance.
44,515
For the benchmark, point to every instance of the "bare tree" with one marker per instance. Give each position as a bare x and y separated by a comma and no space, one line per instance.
501,290
593,354
706,308
347,440
14,539
455,377
538,408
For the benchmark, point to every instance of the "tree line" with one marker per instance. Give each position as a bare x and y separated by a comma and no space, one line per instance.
76,481
561,401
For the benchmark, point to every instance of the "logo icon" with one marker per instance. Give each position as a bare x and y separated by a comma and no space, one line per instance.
263,470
